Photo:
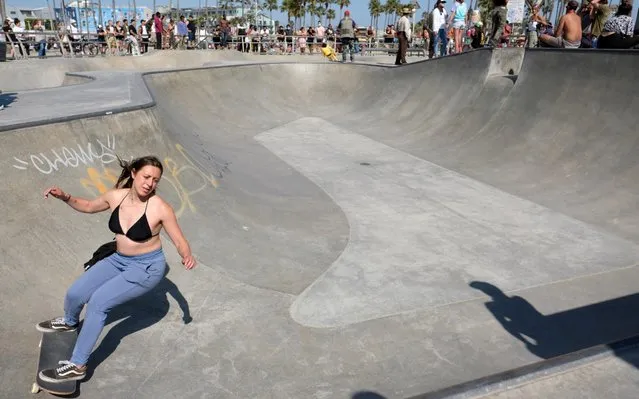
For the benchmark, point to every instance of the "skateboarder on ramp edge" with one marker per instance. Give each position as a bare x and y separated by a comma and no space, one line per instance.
136,265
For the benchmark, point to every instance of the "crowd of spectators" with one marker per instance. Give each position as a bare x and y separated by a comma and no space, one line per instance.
444,31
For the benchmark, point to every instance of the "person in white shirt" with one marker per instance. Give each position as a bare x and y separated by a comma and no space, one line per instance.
73,28
403,34
320,32
439,16
144,34
18,28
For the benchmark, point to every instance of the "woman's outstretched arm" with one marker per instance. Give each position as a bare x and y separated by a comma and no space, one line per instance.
98,204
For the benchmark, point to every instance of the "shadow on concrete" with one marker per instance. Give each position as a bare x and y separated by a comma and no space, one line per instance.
136,315
367,395
549,336
6,99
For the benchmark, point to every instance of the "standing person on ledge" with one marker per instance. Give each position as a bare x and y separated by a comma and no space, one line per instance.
403,35
138,265
346,29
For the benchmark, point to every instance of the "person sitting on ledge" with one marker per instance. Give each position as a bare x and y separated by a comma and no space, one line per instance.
568,33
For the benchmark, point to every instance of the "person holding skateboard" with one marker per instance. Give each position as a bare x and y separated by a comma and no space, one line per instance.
138,215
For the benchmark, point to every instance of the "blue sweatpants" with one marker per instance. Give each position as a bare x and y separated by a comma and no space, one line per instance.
110,282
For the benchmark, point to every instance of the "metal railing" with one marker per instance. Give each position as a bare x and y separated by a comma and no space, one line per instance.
27,44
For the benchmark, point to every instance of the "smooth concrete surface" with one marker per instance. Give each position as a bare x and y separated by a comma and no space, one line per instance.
359,227
453,227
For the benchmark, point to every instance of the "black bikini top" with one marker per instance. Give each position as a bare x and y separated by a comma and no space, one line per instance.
140,231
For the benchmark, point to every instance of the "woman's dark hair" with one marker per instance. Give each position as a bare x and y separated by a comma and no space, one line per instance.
135,165
625,8
500,3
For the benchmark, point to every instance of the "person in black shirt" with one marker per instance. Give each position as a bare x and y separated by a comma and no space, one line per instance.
102,45
132,30
191,28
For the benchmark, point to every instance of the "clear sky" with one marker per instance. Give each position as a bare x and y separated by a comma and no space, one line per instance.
358,8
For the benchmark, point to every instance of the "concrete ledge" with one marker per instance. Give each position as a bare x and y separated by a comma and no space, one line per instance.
106,93
110,92
103,93
523,375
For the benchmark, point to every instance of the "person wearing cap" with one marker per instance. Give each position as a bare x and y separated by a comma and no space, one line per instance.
439,17
568,33
403,33
346,28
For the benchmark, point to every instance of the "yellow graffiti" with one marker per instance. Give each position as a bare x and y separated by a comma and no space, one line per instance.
98,182
188,159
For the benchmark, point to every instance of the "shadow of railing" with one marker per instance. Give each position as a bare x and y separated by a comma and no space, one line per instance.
549,336
6,99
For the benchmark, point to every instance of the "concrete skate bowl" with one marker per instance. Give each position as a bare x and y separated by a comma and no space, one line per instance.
52,72
339,213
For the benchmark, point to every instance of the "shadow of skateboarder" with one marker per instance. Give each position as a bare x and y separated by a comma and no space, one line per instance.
137,315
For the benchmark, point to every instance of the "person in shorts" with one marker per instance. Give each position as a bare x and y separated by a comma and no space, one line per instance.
458,21
568,33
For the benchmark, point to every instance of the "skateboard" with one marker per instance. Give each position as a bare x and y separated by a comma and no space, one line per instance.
55,346
329,53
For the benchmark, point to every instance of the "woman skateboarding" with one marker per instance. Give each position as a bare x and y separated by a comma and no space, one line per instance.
135,268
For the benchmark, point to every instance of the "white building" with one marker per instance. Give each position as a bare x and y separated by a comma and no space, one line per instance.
23,13
258,18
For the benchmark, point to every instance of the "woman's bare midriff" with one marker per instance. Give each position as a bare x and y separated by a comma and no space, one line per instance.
129,247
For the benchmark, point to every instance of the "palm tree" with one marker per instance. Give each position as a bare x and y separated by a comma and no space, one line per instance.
392,8
375,9
342,4
270,5
330,16
327,7
294,8
319,12
287,7
546,9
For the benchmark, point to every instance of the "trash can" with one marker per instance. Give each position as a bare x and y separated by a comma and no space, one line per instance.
3,51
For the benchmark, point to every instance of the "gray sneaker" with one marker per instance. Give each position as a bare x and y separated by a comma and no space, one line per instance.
66,372
54,325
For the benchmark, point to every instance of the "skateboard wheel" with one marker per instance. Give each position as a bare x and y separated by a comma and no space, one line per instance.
35,388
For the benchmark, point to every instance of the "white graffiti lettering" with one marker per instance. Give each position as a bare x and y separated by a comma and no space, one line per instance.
70,157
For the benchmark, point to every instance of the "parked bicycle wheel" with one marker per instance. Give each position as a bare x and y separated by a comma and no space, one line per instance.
90,49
